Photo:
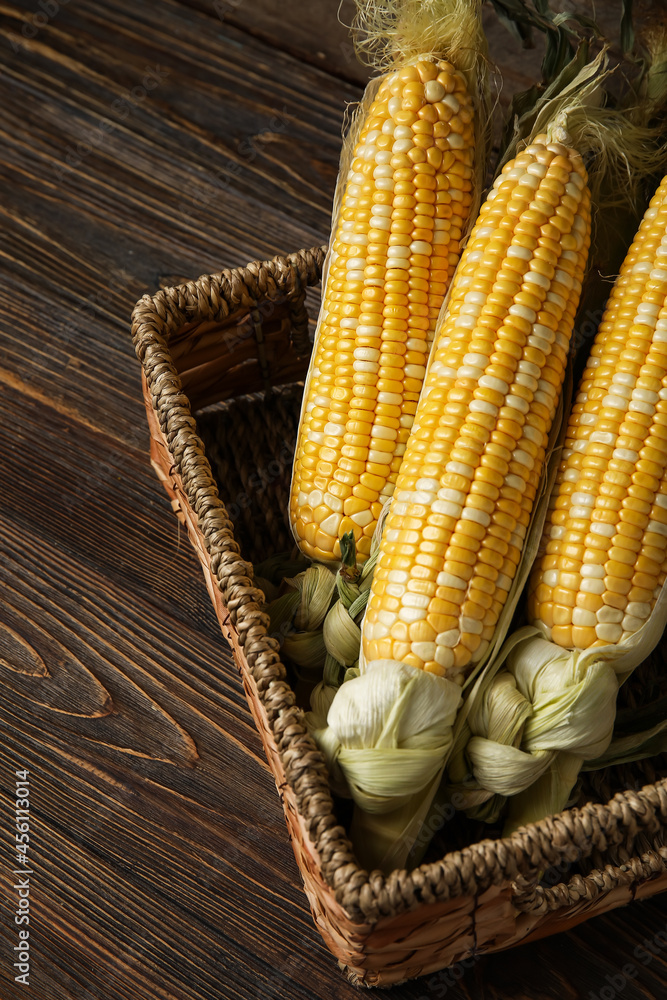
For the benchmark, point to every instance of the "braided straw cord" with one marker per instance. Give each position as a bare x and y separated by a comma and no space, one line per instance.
510,864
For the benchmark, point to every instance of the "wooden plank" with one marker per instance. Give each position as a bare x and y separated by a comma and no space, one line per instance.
209,169
151,790
162,866
317,33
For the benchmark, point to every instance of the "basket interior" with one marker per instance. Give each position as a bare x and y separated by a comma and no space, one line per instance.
250,443
250,350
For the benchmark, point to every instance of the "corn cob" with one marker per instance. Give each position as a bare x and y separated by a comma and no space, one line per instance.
407,198
605,556
455,530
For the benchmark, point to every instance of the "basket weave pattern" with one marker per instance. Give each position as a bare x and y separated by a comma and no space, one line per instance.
247,330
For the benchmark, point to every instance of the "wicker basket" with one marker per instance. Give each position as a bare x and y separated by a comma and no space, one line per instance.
246,331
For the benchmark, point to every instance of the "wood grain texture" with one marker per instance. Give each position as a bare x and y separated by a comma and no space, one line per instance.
162,869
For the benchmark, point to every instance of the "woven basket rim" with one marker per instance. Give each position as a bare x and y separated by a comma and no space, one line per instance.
364,896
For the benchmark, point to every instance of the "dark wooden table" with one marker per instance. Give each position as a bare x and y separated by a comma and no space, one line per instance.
143,143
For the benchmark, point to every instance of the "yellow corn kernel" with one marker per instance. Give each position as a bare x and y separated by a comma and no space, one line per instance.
616,431
392,258
473,462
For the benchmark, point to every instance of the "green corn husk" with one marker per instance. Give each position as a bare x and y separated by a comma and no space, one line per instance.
270,590
538,706
281,613
296,620
532,709
387,736
276,568
341,629
639,732
349,574
316,588
564,704
383,704
323,694
269,574
307,651
342,635
628,749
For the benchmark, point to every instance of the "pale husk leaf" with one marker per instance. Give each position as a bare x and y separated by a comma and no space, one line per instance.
401,828
342,636
306,650
316,587
572,699
281,612
392,712
387,737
